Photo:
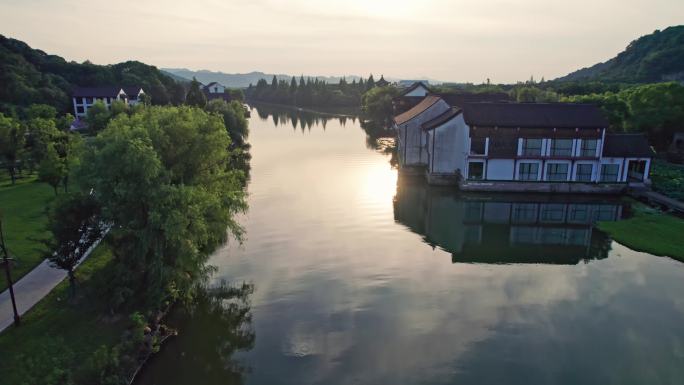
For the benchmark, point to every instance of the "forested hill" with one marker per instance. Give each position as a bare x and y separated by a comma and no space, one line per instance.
651,58
31,76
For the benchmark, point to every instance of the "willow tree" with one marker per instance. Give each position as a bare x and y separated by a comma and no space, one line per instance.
164,181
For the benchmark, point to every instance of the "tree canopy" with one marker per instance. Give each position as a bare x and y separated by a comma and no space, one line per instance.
30,76
163,179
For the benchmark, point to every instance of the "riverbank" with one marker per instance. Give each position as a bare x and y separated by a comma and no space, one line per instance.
59,339
649,230
24,207
668,179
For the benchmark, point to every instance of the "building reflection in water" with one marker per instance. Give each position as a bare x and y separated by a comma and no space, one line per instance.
509,228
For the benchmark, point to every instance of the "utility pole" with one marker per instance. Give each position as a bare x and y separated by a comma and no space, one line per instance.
6,261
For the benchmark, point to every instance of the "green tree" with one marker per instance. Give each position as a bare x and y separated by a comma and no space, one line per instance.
52,169
657,109
163,180
75,225
234,119
119,107
43,111
377,102
98,116
41,134
146,100
370,83
195,96
12,141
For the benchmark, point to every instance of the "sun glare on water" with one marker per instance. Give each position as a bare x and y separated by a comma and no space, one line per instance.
380,185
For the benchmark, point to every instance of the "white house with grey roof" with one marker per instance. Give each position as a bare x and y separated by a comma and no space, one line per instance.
546,147
83,98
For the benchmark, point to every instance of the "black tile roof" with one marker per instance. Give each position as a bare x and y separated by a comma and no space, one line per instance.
413,87
132,91
442,118
460,99
534,115
627,145
101,92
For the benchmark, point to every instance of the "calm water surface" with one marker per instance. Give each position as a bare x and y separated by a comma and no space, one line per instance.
356,277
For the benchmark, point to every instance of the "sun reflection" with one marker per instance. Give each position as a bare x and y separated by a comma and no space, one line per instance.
380,184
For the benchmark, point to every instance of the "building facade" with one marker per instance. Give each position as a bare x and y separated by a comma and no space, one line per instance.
215,90
411,139
526,147
83,98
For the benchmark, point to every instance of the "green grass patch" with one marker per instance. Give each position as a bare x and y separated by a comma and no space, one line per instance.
57,337
649,230
24,208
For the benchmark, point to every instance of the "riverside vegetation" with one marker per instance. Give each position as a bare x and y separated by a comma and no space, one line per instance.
168,180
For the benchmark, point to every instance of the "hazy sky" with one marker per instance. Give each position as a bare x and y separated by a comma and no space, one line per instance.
505,40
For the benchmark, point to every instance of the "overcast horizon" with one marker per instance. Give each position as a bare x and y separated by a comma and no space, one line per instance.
458,41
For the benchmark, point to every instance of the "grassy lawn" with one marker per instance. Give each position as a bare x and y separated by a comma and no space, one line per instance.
24,216
57,334
649,230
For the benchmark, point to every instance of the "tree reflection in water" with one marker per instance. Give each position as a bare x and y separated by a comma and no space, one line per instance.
211,331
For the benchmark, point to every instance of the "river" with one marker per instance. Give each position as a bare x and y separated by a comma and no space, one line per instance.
356,276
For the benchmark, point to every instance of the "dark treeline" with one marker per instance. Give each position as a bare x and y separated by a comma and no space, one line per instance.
298,119
310,92
31,76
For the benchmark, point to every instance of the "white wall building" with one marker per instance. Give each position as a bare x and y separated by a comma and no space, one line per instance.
84,97
546,147
412,141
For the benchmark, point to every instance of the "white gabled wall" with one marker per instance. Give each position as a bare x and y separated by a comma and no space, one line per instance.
413,143
448,147
420,91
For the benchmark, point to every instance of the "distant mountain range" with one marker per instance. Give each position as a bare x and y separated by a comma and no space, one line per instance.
244,80
651,58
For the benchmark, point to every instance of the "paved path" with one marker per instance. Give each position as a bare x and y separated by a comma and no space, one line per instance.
31,288
659,198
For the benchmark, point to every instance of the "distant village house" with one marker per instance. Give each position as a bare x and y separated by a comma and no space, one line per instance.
215,90
84,97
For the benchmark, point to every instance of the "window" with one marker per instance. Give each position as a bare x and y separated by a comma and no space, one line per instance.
588,148
523,234
606,213
472,234
477,146
528,171
609,172
79,110
524,213
475,170
557,172
532,147
579,214
561,147
553,212
584,172
473,211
